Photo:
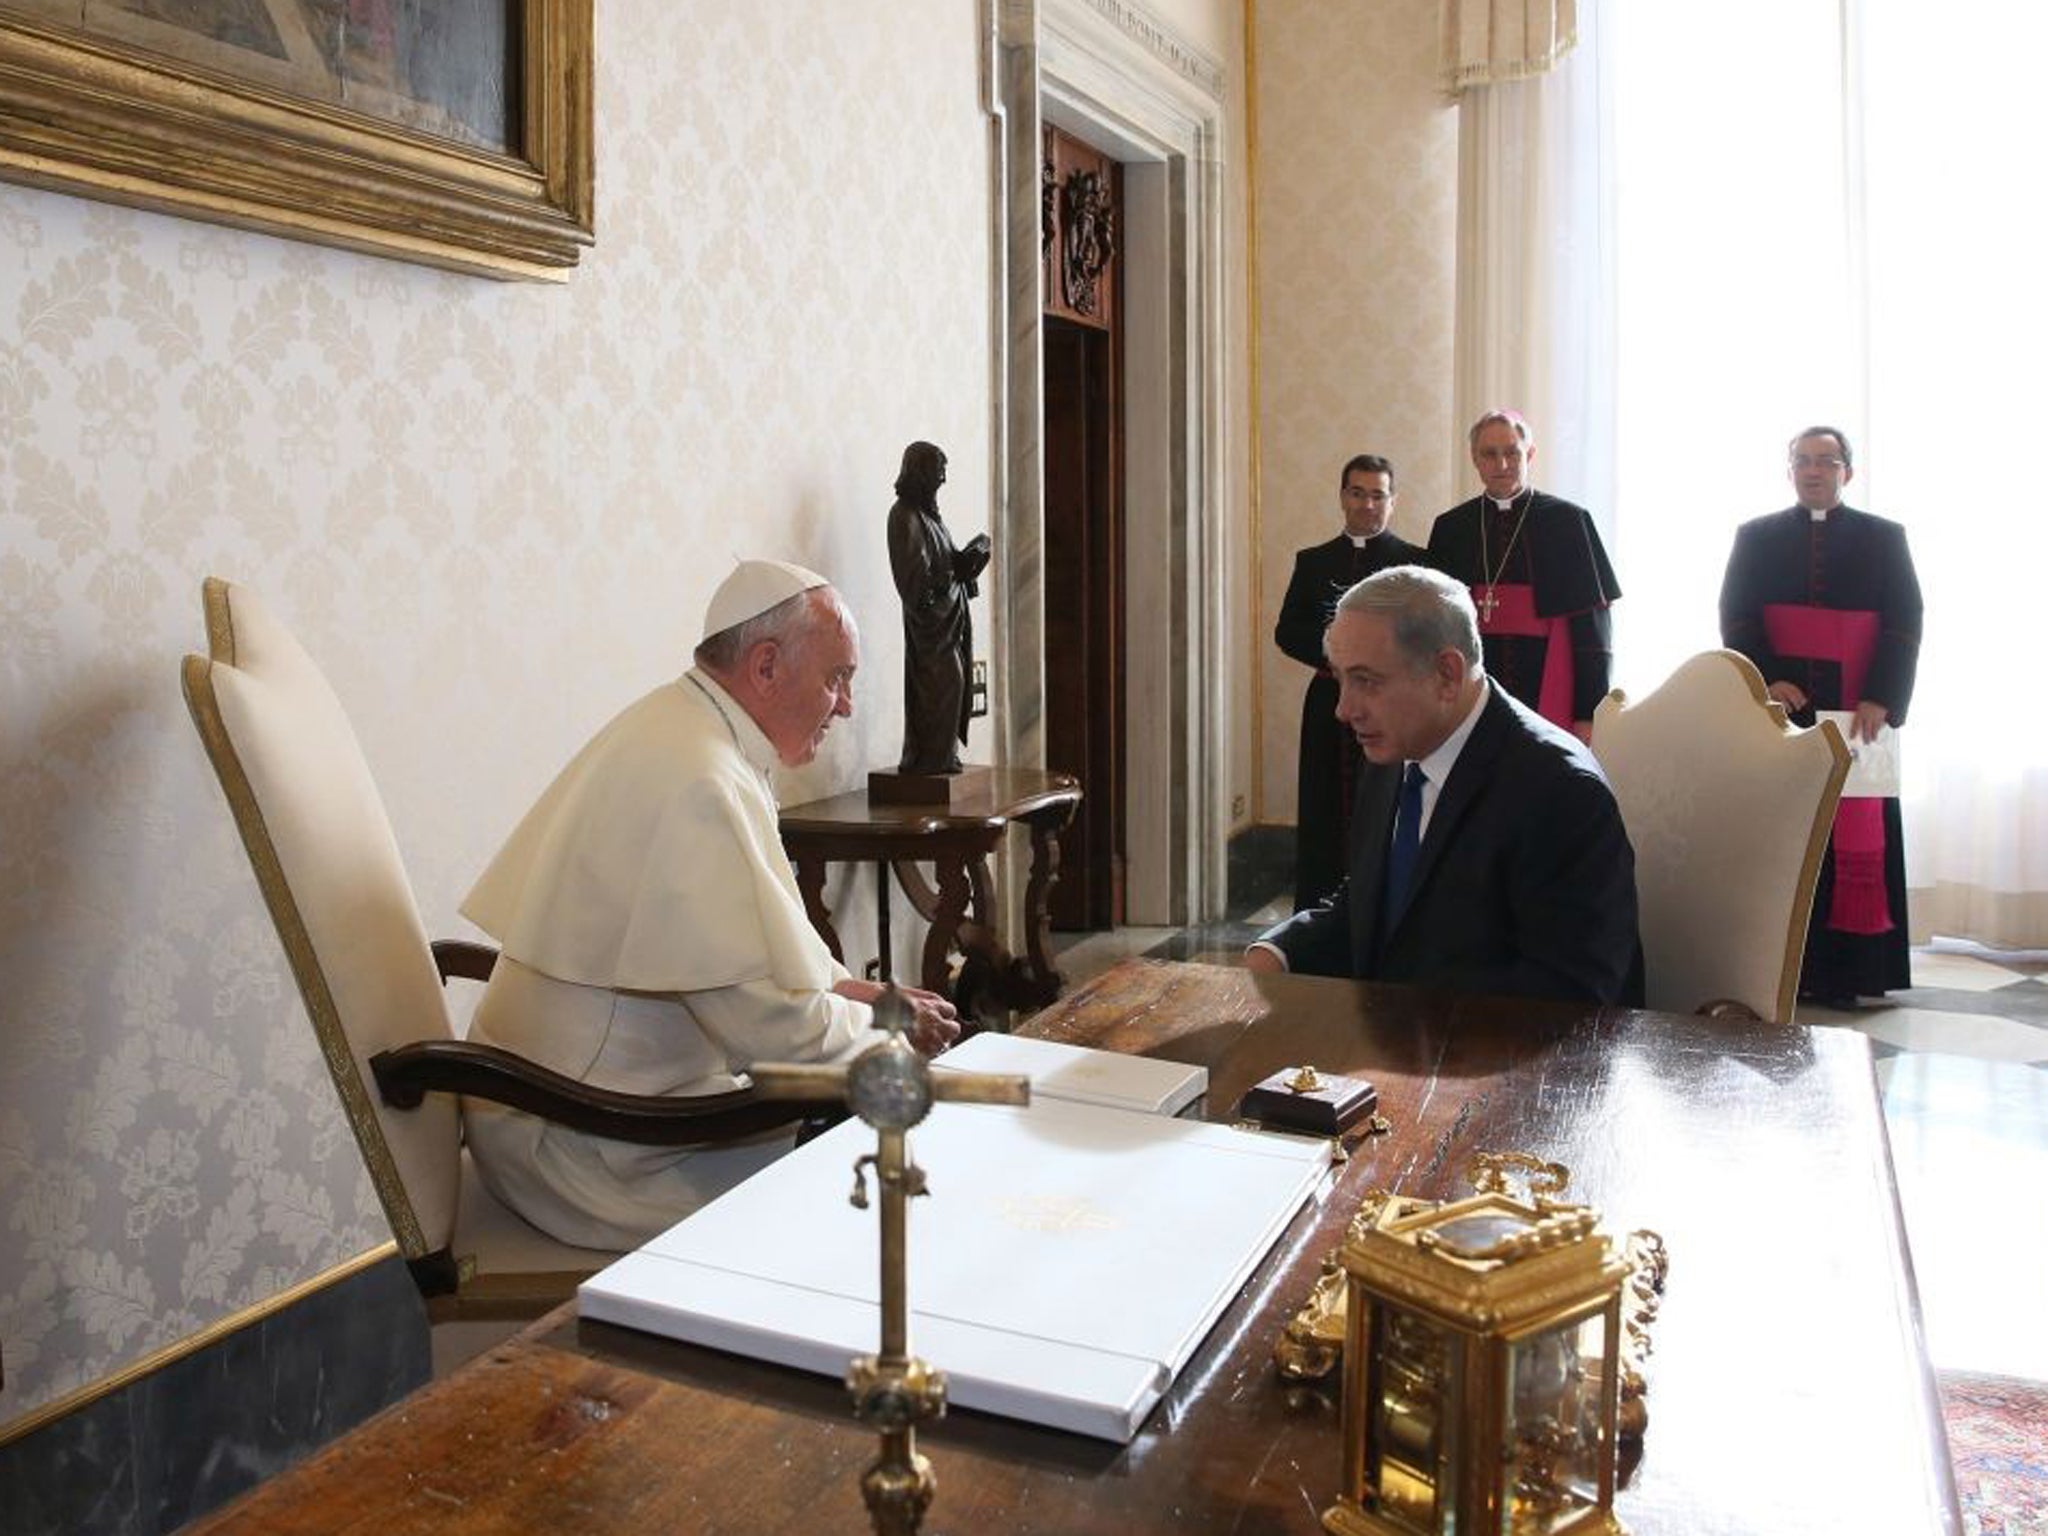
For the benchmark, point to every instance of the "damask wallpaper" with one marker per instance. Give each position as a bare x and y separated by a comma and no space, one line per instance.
492,512
1356,214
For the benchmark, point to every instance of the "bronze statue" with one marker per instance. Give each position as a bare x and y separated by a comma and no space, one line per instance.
935,580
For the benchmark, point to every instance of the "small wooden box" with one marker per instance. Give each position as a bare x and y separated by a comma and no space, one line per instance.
1333,1106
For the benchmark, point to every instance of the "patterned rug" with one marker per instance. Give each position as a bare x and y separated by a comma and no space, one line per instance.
1998,1440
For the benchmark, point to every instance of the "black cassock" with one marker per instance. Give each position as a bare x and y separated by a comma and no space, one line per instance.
1328,772
1855,563
1556,550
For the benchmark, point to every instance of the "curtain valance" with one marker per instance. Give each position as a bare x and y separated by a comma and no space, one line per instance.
1487,41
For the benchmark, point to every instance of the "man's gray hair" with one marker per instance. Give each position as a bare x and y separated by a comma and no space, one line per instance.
1524,433
1431,612
791,624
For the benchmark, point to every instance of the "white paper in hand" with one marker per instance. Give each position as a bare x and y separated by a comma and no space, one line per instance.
1873,765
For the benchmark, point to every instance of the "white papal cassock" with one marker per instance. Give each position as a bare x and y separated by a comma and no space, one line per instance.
652,941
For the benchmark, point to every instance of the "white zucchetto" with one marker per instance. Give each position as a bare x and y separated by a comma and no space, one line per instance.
752,589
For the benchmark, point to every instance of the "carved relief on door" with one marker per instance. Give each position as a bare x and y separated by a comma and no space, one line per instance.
1079,193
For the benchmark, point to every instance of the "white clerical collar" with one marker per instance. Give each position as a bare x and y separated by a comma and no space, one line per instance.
1819,514
753,743
1509,504
1437,765
1359,540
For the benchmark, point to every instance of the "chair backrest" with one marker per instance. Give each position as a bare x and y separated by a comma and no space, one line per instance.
327,864
1728,808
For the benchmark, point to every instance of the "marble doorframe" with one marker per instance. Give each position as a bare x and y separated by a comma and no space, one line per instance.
1118,77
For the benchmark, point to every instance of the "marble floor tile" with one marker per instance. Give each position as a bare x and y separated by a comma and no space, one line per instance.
1970,1150
1082,957
1960,972
1209,944
1984,1035
1998,1099
1272,912
2024,1002
2017,958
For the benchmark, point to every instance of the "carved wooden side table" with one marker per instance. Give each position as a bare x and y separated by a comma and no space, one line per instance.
956,840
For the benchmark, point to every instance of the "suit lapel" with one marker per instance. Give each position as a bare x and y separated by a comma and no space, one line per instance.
1469,778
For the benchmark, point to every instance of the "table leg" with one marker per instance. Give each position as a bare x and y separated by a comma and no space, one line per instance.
1044,980
888,971
810,884
951,907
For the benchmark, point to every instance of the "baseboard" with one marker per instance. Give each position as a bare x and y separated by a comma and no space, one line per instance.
185,1430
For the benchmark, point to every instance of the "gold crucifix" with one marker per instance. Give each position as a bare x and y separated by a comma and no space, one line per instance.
892,1088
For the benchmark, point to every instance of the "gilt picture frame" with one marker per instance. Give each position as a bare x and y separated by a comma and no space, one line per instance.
454,134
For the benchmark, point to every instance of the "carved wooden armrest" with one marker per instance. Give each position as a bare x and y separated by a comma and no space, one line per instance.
407,1073
1726,1008
465,958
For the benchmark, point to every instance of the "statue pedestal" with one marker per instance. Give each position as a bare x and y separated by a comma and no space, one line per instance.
888,787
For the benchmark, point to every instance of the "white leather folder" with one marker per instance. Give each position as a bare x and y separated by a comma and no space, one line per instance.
1081,1073
1065,1266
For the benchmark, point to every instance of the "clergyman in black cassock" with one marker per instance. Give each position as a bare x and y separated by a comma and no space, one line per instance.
1824,599
1327,774
1539,576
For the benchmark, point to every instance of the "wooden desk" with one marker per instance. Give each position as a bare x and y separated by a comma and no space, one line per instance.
1788,1390
956,841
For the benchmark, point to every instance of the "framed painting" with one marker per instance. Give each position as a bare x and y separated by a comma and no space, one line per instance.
452,132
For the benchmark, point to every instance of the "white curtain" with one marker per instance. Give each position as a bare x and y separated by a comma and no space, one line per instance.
1737,306
1955,345
1535,273
1812,211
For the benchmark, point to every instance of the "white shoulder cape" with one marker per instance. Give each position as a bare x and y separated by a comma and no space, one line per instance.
653,862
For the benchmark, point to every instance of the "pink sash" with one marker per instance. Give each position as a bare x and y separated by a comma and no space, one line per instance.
1848,637
1514,613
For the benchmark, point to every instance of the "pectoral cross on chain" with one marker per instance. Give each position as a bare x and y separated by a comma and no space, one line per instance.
892,1088
1487,603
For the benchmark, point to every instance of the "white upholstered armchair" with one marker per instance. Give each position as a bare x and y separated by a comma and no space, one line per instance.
1728,808
328,867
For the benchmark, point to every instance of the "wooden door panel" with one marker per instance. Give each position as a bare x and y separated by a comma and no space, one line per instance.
1083,620
1084,544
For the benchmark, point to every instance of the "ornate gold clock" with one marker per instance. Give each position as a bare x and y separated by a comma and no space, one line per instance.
1482,1364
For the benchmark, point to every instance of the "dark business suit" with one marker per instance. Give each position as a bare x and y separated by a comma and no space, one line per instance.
1524,884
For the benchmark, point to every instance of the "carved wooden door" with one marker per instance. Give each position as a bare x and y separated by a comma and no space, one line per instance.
1084,543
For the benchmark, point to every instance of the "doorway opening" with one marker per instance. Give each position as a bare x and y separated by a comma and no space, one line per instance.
1148,409
1085,590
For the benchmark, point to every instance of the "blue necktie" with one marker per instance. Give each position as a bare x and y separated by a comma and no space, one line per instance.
1407,841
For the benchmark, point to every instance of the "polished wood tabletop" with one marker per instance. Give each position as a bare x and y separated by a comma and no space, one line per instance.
1789,1392
998,795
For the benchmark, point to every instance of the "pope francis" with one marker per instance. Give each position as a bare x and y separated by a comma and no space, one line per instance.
651,936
